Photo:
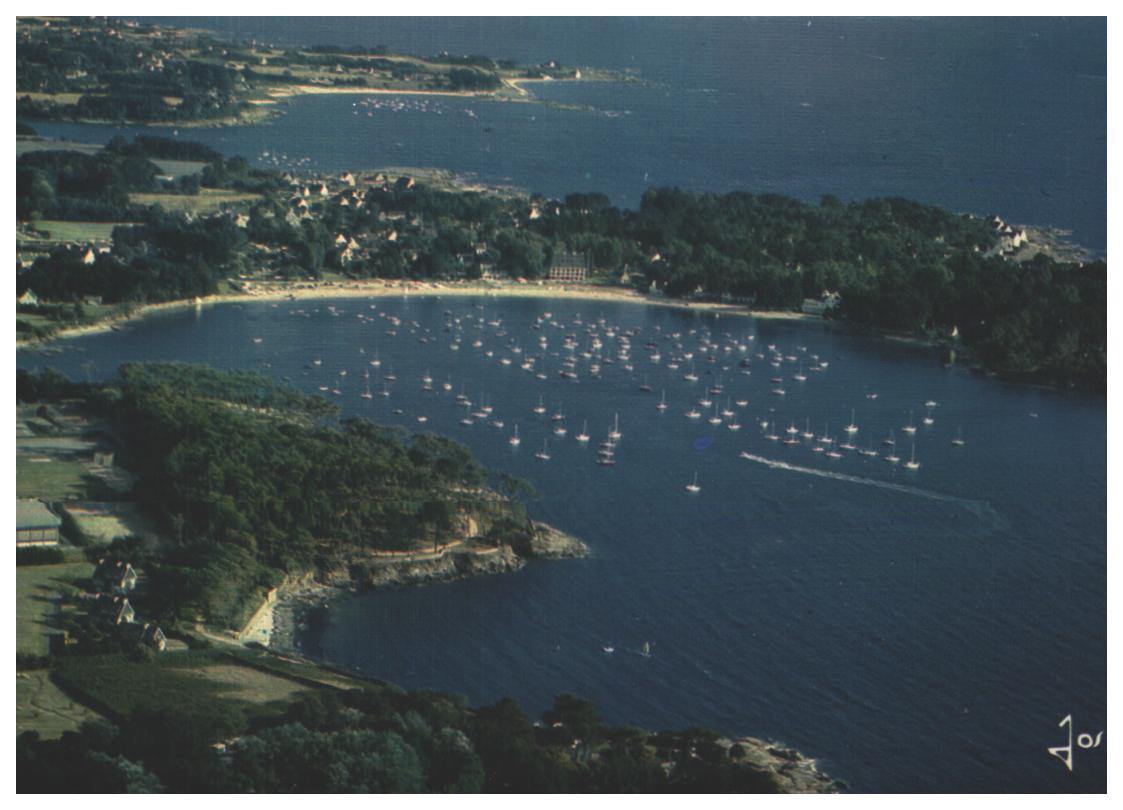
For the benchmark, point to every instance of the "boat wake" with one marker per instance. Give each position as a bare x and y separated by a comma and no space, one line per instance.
979,508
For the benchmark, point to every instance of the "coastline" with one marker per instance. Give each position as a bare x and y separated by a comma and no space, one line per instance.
299,609
386,289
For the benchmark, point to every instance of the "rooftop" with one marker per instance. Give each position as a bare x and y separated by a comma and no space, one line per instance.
34,514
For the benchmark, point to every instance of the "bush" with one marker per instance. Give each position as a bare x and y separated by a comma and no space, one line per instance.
39,555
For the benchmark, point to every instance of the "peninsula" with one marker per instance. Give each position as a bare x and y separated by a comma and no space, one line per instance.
121,71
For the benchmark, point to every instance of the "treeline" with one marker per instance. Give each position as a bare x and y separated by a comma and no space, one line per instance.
155,147
380,739
167,258
71,185
249,483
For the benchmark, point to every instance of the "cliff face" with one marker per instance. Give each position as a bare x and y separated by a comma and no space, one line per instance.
371,573
376,571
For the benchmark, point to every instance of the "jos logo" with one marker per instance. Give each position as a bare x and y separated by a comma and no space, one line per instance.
1085,740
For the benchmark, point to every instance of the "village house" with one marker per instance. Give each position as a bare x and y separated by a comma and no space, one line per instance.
569,267
151,635
114,610
36,525
115,576
828,301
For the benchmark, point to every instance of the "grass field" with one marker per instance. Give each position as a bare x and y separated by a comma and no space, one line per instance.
65,231
195,683
37,587
207,201
52,480
41,706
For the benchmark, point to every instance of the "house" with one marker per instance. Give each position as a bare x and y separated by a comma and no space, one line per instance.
114,576
405,183
151,635
29,299
569,267
115,610
822,305
36,525
89,257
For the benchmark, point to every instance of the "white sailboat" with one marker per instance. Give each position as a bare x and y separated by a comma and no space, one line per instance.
583,436
912,463
910,428
514,441
615,434
852,428
694,486
367,394
540,407
958,440
662,406
542,454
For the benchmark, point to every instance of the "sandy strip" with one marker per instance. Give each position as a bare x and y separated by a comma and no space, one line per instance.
380,289
321,90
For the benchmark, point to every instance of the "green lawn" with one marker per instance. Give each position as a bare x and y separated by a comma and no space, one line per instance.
207,201
65,231
195,683
37,588
41,706
54,480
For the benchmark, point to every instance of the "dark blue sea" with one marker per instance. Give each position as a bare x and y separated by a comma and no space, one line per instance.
915,630
978,115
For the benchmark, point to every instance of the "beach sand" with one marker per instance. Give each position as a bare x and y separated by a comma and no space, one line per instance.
384,289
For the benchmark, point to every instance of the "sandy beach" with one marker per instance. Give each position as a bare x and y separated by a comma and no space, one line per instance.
387,289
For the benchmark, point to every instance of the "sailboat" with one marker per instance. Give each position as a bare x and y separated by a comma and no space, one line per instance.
958,440
615,433
807,433
912,463
367,394
583,436
928,420
662,406
542,454
801,377
910,428
645,386
694,486
851,428
715,419
515,440
540,407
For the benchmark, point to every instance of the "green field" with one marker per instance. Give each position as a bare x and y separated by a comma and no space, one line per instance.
207,201
65,231
54,480
205,683
43,707
37,588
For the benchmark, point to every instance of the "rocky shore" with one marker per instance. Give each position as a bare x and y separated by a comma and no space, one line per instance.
300,605
793,772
